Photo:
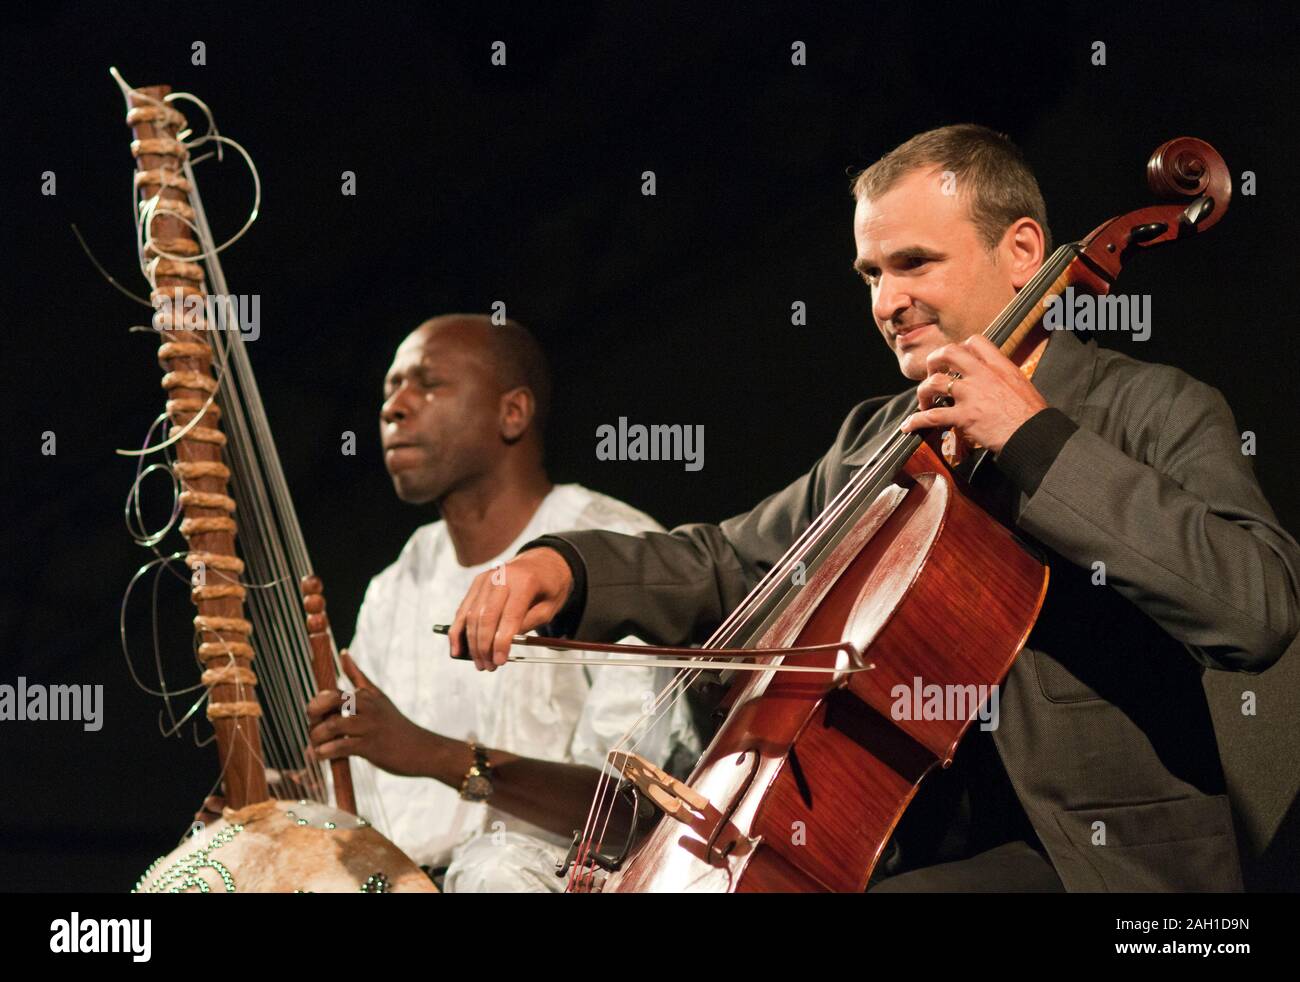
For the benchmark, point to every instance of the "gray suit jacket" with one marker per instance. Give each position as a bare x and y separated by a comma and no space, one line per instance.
1104,729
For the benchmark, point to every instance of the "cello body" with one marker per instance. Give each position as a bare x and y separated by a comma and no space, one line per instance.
809,774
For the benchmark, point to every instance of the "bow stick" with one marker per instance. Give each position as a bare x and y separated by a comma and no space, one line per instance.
662,657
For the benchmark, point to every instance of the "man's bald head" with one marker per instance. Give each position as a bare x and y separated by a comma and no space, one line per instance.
463,399
510,349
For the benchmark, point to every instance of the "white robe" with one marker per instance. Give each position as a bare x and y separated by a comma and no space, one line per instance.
570,714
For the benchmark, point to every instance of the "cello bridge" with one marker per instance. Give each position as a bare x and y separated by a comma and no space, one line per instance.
674,798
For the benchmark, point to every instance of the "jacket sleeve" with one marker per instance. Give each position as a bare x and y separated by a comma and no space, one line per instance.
676,587
1188,537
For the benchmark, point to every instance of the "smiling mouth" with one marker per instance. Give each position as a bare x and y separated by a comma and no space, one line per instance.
900,337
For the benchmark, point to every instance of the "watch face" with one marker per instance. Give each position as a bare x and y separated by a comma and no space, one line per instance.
477,788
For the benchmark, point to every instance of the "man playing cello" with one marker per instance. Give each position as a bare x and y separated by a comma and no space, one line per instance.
1101,459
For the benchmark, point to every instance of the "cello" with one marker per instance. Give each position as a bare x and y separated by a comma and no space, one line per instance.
903,576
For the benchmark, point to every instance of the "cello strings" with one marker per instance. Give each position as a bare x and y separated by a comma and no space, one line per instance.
603,783
605,787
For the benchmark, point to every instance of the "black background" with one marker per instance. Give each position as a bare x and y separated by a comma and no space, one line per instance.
523,184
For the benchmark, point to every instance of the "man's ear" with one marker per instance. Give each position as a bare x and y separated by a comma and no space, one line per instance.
517,409
1022,250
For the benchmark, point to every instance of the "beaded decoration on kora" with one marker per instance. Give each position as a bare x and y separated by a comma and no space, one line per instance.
285,847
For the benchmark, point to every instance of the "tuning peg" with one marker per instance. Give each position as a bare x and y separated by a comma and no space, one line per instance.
1197,211
1147,232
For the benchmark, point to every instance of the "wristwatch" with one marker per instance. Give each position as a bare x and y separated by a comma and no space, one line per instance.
477,785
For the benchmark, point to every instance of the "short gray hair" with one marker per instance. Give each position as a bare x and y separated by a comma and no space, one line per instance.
1000,187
